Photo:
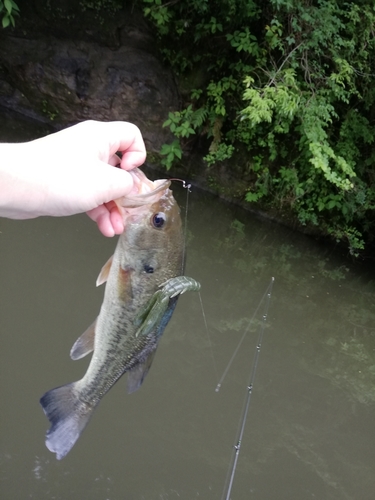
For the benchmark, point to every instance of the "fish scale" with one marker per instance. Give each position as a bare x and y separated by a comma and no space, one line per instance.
148,254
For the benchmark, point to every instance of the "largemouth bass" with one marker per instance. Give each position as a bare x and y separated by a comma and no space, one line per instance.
143,282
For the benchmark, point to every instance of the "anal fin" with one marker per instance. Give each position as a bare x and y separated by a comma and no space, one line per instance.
137,374
84,344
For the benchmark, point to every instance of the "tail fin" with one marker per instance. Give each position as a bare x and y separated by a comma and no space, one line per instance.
68,416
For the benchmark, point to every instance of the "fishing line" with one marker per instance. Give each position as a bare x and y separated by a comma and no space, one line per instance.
249,389
241,340
185,221
209,337
188,190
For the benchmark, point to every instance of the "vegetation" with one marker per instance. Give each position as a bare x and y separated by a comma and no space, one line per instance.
280,91
283,87
8,9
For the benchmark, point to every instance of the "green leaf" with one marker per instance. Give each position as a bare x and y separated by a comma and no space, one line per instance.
331,204
8,5
15,6
178,153
6,21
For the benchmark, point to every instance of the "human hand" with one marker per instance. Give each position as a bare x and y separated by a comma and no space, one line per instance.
72,171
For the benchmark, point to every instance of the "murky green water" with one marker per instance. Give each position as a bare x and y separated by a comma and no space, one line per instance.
310,431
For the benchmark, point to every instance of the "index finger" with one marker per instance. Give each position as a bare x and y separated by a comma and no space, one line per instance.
127,139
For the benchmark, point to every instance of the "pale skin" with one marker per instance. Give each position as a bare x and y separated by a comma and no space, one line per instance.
72,171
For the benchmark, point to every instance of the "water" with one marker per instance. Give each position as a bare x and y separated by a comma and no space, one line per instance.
310,427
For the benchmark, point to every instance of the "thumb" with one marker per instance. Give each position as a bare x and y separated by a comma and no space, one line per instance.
108,183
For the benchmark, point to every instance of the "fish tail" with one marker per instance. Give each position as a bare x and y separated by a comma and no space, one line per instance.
68,417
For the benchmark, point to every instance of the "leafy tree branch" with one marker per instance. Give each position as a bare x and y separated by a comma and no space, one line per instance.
285,88
8,10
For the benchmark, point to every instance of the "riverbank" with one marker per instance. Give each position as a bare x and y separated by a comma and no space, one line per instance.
60,66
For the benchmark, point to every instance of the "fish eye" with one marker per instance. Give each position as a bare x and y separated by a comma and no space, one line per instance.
158,220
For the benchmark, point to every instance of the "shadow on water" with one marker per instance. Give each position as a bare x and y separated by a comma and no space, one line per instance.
310,428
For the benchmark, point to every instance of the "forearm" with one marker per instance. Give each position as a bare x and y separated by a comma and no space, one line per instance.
21,189
70,172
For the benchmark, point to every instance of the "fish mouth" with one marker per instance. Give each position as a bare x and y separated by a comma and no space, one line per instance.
145,192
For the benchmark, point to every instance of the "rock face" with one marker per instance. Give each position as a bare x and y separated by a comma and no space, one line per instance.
64,81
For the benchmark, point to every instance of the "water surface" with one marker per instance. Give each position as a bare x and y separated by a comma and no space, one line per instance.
310,429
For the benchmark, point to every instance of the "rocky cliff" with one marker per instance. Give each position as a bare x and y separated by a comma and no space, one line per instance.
59,70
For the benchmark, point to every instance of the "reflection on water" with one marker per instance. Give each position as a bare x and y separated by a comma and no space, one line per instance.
310,428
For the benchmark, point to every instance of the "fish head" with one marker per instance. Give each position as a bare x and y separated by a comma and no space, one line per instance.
152,242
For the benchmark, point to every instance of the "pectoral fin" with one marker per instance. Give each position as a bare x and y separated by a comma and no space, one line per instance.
104,272
84,344
137,374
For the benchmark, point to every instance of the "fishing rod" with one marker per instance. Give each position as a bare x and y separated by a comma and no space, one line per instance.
249,389
266,300
241,340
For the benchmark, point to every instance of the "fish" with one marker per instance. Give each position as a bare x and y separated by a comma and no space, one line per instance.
144,279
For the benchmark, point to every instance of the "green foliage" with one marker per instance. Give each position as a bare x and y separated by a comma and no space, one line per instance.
8,9
289,84
171,152
99,6
48,111
218,153
182,124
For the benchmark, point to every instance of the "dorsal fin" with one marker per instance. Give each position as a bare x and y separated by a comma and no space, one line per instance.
84,344
104,272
